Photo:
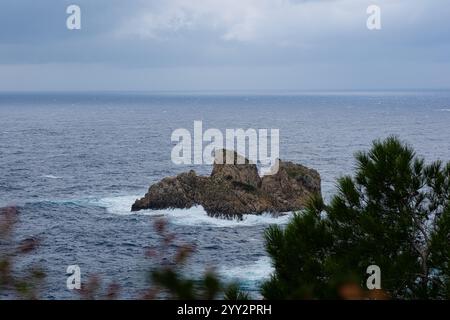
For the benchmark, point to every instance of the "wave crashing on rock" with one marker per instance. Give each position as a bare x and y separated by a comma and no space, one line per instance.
235,189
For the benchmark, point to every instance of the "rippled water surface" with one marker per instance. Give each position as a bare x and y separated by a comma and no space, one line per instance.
74,164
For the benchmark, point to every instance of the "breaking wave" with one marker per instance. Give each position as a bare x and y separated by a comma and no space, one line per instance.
253,272
195,216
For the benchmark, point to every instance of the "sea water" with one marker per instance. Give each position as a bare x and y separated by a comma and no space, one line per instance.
75,163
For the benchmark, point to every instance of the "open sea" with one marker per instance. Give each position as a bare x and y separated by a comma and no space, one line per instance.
75,163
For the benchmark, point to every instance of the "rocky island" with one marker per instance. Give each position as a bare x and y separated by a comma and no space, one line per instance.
235,189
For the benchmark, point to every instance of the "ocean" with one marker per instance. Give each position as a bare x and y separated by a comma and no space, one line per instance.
74,163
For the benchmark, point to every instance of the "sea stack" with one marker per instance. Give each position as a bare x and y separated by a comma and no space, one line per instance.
235,188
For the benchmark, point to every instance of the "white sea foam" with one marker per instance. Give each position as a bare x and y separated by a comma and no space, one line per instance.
195,216
117,205
256,271
50,176
446,110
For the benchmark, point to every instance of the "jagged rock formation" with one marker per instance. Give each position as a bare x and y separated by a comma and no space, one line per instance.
235,189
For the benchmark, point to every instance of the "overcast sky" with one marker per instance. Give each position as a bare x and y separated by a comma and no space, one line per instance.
224,45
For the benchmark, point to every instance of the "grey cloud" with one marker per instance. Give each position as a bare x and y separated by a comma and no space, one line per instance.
305,45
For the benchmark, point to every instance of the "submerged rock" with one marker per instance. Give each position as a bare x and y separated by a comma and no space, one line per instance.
235,189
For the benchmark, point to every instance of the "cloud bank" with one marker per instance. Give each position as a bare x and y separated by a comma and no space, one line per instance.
224,45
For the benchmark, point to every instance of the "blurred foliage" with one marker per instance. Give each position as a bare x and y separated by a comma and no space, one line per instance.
394,213
17,284
93,289
168,278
